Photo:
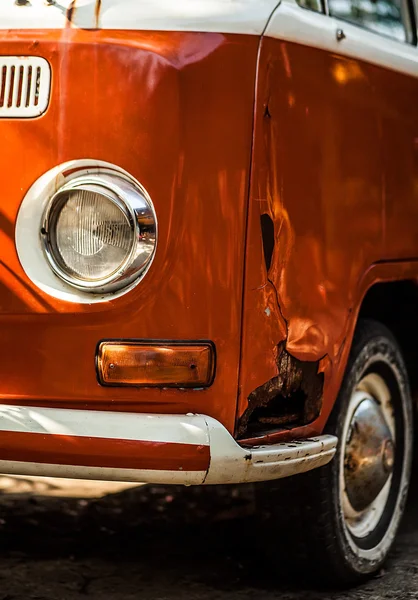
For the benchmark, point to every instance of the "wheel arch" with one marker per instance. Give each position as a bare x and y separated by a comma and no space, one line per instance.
395,304
388,293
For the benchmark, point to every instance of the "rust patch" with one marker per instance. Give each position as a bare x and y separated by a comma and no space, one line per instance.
293,397
71,11
97,9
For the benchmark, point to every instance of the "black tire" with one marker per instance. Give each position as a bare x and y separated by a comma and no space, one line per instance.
305,513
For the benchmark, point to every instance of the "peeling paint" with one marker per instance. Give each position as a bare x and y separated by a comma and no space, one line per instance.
71,11
97,9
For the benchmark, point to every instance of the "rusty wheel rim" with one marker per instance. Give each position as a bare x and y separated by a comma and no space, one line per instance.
367,456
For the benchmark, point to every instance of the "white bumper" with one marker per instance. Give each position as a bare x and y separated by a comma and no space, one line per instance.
179,449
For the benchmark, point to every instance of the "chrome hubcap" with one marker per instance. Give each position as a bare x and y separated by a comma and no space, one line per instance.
368,458
368,454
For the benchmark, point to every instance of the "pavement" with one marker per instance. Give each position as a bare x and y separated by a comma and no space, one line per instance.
64,540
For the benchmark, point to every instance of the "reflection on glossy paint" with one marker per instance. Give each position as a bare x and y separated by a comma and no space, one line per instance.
15,290
322,178
345,71
286,61
16,295
175,110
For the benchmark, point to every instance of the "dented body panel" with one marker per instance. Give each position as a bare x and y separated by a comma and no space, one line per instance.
327,174
276,161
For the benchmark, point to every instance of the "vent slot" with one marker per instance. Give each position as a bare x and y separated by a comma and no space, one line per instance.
10,86
25,86
3,72
19,87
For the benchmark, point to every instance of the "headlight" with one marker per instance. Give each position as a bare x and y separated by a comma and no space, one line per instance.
99,232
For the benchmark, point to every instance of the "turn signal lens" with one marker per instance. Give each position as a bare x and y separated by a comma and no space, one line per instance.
156,364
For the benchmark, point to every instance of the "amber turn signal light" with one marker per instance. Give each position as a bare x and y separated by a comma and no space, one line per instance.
156,364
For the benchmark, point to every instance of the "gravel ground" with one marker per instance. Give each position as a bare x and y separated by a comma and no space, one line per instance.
160,543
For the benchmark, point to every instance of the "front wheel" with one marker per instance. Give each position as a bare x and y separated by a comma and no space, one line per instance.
341,519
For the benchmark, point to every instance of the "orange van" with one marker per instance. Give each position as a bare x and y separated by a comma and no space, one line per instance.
209,253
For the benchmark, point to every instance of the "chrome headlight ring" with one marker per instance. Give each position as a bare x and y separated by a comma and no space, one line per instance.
133,202
35,222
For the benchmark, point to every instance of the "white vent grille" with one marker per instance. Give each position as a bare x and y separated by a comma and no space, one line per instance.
25,84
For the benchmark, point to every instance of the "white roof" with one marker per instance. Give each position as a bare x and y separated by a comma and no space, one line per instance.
224,16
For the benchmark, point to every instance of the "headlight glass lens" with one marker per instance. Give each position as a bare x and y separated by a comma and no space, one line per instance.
100,232
91,235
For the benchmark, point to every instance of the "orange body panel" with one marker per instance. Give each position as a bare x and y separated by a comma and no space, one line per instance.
335,163
175,110
324,145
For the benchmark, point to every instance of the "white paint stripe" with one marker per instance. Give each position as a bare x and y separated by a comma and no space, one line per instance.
225,16
179,429
10,467
292,23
